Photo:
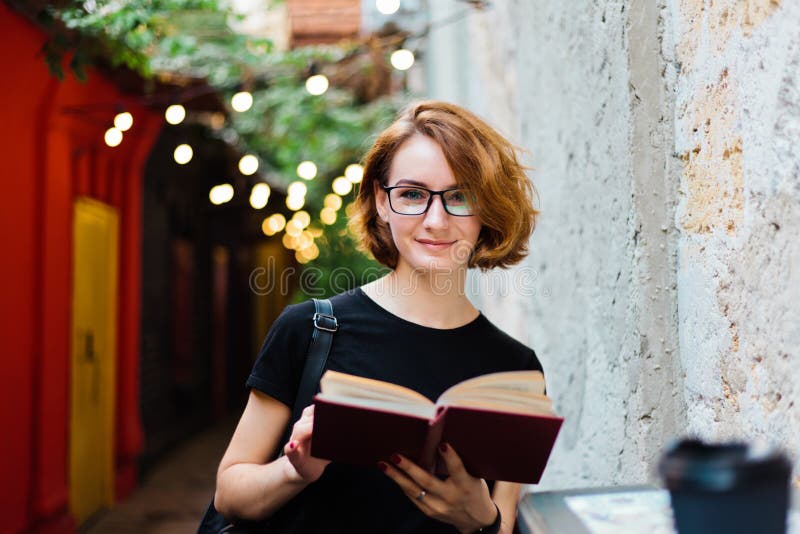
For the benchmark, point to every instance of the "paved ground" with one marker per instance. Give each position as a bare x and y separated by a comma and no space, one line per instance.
174,495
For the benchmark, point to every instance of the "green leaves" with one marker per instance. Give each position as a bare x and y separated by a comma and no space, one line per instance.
285,125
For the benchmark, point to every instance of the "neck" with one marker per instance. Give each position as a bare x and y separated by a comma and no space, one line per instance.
433,299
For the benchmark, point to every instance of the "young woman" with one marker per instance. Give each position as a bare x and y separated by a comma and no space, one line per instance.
442,192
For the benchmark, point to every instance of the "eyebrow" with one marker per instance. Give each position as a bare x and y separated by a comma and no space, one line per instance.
406,181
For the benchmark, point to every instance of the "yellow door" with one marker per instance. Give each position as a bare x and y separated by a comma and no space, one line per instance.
94,328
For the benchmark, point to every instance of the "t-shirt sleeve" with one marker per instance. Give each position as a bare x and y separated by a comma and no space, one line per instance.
280,361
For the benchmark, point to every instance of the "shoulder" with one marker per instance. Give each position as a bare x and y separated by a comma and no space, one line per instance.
301,314
505,344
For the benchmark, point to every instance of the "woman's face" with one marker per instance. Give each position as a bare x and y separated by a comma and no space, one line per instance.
435,240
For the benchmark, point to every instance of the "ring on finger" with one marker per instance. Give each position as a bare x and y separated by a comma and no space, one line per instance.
421,495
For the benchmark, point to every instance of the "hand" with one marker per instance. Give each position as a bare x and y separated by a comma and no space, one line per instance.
298,450
460,500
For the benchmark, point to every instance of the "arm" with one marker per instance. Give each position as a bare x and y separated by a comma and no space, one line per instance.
247,486
506,497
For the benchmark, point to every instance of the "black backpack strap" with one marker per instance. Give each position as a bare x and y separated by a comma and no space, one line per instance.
325,325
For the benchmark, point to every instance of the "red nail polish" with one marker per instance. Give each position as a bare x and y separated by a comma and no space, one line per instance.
382,466
292,445
395,458
443,447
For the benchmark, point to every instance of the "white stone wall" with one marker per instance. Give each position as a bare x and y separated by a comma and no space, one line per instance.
661,292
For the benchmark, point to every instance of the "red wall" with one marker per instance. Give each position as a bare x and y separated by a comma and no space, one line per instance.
48,156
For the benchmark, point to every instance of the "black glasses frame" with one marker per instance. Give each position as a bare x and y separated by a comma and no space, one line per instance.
441,193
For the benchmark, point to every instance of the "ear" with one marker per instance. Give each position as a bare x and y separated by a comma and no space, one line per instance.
381,202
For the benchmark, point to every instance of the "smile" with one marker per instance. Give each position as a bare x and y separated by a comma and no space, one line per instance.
434,245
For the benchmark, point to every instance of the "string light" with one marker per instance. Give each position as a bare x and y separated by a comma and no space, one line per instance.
175,114
295,203
354,172
113,136
273,224
259,195
296,189
387,7
183,154
293,228
317,84
307,170
289,241
333,201
123,121
220,194
302,218
327,215
341,186
248,164
402,59
242,101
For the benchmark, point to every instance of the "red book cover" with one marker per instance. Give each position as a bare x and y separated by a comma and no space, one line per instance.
493,445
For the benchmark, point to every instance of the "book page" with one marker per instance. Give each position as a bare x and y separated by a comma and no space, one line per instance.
496,400
524,381
513,389
344,386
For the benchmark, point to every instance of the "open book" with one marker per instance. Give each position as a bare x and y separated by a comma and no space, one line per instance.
502,425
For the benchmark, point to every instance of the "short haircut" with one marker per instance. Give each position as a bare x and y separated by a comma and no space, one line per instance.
482,160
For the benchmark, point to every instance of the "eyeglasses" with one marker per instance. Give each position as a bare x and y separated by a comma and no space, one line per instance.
407,200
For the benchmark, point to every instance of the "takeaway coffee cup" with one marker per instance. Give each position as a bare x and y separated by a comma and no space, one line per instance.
730,488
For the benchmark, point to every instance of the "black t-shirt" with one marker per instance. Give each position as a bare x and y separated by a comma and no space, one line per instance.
374,343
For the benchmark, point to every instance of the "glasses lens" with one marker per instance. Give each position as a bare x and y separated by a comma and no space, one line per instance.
458,202
409,200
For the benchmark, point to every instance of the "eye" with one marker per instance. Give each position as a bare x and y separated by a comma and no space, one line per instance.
413,194
457,196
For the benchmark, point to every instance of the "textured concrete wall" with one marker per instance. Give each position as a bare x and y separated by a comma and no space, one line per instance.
737,131
660,286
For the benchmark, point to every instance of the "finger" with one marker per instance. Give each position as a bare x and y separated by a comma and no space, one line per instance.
420,476
308,411
302,429
427,503
455,467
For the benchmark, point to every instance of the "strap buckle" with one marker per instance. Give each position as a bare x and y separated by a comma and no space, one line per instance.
330,322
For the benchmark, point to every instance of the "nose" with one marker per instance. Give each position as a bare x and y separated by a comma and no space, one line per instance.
436,216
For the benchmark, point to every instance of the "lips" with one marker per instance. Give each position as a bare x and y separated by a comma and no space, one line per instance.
435,244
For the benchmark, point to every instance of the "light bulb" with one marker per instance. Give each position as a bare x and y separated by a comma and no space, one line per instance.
242,101
259,195
295,203
221,194
328,215
277,222
354,172
296,189
123,121
175,114
402,59
113,136
248,164
317,84
341,186
183,154
267,228
303,218
307,170
332,200
387,7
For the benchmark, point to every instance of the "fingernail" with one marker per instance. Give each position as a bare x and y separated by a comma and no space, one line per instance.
443,447
382,466
292,445
395,458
